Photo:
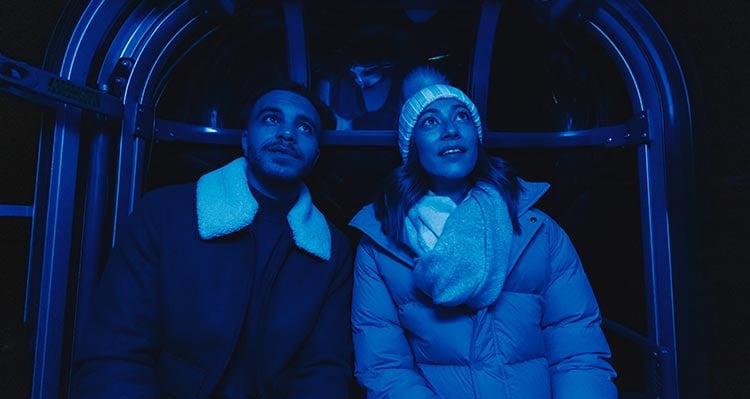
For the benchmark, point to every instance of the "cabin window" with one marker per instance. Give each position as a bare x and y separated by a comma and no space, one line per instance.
210,85
551,78
359,56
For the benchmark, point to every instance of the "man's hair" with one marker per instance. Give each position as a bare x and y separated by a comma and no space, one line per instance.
408,183
327,120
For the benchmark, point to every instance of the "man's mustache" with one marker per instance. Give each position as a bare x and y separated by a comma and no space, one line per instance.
282,147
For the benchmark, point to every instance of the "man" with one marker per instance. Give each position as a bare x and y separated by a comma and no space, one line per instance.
232,287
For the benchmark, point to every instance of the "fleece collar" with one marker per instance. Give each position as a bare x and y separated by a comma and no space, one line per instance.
225,204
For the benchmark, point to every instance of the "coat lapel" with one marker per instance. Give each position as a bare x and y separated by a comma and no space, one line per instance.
225,204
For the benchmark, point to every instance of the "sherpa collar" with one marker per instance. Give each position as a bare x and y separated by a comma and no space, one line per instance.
224,205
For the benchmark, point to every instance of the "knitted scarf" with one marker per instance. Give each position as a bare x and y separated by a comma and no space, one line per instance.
463,250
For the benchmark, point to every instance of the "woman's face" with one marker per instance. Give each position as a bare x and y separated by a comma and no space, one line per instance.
446,139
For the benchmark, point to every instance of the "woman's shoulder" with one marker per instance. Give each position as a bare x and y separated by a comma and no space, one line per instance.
365,219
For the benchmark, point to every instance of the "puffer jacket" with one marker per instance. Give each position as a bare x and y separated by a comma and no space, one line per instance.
541,339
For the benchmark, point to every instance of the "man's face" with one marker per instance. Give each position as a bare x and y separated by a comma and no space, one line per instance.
367,75
281,142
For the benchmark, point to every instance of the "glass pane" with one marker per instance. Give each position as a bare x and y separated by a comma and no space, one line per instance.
177,163
25,31
594,196
211,85
347,178
551,78
16,359
360,55
20,122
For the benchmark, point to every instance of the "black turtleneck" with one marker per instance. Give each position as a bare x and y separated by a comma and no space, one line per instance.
271,235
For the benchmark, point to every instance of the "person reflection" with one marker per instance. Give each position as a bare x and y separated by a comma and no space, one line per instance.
462,289
366,96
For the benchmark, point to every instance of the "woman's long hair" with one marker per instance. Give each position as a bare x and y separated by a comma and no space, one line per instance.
408,183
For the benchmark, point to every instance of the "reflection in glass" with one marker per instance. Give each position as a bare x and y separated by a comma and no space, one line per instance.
359,56
551,78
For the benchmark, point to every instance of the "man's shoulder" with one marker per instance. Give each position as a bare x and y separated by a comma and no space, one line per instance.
338,237
172,198
170,192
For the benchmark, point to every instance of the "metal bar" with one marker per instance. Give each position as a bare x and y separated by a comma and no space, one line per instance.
630,334
16,210
628,134
631,36
38,225
75,59
483,45
151,46
42,87
652,245
296,44
94,221
56,256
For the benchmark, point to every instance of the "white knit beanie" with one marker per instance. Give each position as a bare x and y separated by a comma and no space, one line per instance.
414,106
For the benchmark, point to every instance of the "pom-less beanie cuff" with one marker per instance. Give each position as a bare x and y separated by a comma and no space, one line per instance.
417,103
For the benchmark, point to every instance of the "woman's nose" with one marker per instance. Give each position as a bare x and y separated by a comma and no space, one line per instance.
450,130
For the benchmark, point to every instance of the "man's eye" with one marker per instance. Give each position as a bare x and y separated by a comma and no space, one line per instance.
305,128
270,119
461,116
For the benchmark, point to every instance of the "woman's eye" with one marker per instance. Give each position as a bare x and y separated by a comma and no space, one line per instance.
461,116
429,121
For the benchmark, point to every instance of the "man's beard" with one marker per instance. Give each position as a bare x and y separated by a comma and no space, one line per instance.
263,166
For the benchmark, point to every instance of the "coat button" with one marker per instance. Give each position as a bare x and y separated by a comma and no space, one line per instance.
533,219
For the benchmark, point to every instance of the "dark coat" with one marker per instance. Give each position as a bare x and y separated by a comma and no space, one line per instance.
172,303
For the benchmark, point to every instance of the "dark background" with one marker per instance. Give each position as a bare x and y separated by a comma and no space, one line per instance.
711,40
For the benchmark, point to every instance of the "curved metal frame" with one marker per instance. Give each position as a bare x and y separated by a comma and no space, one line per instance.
58,199
149,35
656,83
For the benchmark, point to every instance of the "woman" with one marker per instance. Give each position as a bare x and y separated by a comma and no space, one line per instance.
462,289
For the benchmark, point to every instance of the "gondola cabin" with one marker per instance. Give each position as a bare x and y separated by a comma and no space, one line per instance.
133,95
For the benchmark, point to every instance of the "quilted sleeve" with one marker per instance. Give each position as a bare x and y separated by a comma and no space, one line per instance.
577,350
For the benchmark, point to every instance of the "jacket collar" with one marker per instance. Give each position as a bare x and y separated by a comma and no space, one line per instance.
367,223
531,192
225,204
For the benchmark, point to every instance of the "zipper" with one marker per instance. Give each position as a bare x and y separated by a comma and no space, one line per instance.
472,358
263,318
